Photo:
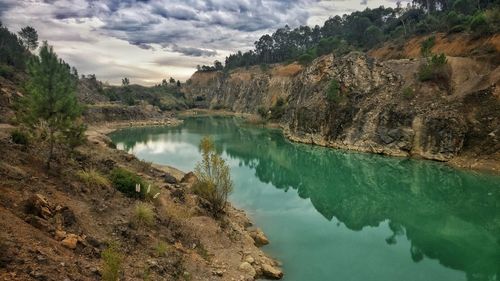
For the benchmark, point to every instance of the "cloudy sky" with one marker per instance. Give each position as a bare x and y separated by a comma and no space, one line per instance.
148,40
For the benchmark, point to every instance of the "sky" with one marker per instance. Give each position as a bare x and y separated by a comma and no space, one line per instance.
150,40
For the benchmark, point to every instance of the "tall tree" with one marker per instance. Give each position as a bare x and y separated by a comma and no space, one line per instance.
51,99
29,37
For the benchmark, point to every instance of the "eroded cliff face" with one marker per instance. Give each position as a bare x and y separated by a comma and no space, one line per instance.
383,108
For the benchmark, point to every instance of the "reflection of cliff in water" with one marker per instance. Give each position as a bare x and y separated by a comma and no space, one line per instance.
448,215
426,202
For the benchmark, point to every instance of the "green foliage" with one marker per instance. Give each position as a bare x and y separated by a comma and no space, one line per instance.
125,181
29,37
143,215
93,178
426,46
408,93
305,59
12,53
373,36
6,71
19,137
214,178
479,24
111,263
161,249
125,82
262,111
333,93
434,69
50,98
264,67
278,110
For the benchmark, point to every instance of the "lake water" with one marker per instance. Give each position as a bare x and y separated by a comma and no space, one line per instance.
339,215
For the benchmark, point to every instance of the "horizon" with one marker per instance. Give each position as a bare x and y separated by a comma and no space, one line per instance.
151,40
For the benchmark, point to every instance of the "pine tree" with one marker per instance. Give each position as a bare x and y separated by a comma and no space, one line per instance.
51,100
29,37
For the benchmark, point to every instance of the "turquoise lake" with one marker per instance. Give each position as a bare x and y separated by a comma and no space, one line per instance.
341,215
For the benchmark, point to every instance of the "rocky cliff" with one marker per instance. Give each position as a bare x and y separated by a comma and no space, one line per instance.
382,107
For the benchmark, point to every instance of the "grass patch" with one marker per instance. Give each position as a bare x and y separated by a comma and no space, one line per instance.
19,137
112,263
125,181
161,249
143,215
333,93
93,178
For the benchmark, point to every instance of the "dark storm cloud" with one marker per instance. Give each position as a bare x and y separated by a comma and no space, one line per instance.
193,52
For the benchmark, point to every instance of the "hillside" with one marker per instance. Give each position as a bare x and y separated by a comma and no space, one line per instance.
382,105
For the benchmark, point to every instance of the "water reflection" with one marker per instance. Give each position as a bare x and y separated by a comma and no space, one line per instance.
448,215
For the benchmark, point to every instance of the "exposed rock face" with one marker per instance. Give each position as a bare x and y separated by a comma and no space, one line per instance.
382,108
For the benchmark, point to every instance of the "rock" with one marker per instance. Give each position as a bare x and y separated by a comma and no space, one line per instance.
38,205
250,259
259,237
69,218
189,179
70,241
247,268
60,235
271,272
168,178
40,223
178,193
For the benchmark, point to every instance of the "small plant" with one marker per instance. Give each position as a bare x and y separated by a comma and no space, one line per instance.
426,46
434,68
262,111
278,109
144,214
161,249
19,137
214,178
333,92
126,182
112,263
408,93
92,178
264,67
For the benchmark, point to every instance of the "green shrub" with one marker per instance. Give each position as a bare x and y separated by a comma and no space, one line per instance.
426,46
6,71
278,110
264,67
92,178
262,111
434,69
305,59
214,178
143,215
479,25
19,137
161,249
333,93
126,181
408,93
112,263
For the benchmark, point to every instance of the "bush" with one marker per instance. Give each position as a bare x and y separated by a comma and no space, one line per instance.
262,112
161,249
278,109
112,263
214,179
333,92
126,181
426,46
479,25
92,178
19,137
434,69
6,71
143,215
408,93
305,59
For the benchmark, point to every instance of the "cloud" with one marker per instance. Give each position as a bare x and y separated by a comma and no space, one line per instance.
161,38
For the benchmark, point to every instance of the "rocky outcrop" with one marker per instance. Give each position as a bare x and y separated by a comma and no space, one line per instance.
381,106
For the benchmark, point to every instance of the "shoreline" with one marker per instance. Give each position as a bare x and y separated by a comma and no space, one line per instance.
254,263
462,162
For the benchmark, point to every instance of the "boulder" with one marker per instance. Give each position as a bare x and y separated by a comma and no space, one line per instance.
189,179
169,178
271,272
247,268
39,206
70,241
259,237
